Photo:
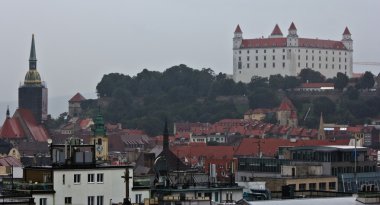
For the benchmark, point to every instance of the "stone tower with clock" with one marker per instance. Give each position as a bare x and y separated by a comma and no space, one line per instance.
100,139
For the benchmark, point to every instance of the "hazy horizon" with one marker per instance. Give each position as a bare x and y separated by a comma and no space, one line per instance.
77,42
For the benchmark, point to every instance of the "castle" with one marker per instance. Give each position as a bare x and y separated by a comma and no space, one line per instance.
289,55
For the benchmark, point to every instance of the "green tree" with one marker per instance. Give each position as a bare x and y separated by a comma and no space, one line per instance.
311,76
263,98
352,93
323,105
276,81
340,81
367,81
291,82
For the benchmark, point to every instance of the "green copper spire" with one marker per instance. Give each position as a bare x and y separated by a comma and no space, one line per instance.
33,58
99,129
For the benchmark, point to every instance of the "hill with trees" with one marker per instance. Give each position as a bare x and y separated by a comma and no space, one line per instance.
183,94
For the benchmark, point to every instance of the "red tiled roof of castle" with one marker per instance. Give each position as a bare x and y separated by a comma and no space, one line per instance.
77,98
282,42
346,31
269,146
292,27
276,30
238,30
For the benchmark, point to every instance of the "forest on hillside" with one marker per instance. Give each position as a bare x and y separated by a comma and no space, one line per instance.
183,94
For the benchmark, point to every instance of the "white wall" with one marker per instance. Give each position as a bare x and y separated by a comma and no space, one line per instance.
49,198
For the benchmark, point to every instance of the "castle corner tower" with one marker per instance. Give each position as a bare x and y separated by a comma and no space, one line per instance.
32,94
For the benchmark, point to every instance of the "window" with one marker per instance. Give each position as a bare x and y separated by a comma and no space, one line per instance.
91,200
265,57
283,65
247,58
216,196
327,59
340,60
239,65
283,57
306,65
312,65
248,51
43,201
332,185
265,65
257,51
239,58
312,58
247,65
332,66
239,52
99,200
312,186
299,57
99,178
257,65
138,198
63,179
306,50
319,58
265,51
302,187
333,59
307,57
274,65
274,50
76,178
67,200
299,64
322,186
257,58
90,178
327,66
274,57
283,50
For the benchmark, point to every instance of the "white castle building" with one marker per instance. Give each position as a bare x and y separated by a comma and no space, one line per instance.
289,55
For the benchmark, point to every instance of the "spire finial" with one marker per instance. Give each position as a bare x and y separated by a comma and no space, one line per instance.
32,57
8,114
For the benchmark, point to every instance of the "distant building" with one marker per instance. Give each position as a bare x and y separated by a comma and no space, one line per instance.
33,93
75,108
287,113
257,114
289,55
315,87
100,139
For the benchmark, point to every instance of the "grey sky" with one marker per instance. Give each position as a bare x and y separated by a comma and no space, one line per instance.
79,41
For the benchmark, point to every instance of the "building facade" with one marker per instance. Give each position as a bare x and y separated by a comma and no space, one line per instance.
33,93
289,55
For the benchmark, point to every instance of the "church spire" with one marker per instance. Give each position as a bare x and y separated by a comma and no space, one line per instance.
32,58
8,114
321,130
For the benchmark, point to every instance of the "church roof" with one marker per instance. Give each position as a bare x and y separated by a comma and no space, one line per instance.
346,31
238,30
11,129
77,98
276,31
38,132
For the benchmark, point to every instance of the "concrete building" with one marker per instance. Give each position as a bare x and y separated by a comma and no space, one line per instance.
289,55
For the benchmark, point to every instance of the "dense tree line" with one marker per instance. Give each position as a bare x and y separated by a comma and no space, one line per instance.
183,94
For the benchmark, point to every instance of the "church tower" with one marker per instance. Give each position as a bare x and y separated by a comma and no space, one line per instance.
238,37
347,40
32,94
100,139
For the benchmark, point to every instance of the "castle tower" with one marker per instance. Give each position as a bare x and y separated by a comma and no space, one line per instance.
276,33
100,139
238,37
33,93
347,40
292,38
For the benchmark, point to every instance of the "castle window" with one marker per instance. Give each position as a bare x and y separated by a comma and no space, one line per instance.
239,52
307,57
345,53
283,65
257,65
265,51
340,53
326,52
345,59
299,50
319,66
100,178
312,57
248,51
265,57
299,57
239,58
247,58
247,65
299,65
274,50
333,59
265,65
332,66
257,51
319,58
339,59
326,66
283,50
312,51
333,52
326,59
239,65
319,52
274,57
306,50
257,58
283,57
339,66
312,65
274,65
307,65
345,67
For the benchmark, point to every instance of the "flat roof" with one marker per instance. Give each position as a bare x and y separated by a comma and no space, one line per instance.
311,201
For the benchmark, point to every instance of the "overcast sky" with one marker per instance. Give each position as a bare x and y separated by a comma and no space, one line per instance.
78,42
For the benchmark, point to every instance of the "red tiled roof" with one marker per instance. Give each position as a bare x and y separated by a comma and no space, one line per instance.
318,43
258,111
269,146
316,85
85,123
238,30
199,151
37,131
11,129
286,104
282,42
77,98
292,27
10,161
346,31
276,31
264,42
